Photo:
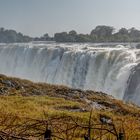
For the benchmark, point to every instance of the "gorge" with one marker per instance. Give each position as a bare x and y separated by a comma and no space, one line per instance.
111,68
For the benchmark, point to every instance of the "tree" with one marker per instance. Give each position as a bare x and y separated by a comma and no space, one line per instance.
2,29
83,38
123,31
72,36
73,33
45,37
11,36
61,37
122,35
134,34
103,33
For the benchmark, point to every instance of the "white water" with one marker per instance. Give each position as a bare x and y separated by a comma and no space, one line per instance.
83,66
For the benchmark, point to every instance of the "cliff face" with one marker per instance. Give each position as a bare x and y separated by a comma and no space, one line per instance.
82,66
132,92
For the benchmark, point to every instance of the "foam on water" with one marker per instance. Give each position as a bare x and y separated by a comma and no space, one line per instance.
84,66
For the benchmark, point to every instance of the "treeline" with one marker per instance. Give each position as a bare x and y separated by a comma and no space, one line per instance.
11,36
99,34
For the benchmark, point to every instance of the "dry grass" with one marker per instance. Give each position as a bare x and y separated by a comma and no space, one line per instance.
23,104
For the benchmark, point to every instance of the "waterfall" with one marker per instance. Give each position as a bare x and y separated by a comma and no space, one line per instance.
84,66
132,92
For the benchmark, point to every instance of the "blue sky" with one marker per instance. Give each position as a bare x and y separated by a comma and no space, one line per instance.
36,17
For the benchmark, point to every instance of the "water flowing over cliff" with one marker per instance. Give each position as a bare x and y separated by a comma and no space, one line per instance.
85,66
132,92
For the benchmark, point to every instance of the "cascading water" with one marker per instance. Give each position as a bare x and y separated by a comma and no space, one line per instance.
83,66
132,92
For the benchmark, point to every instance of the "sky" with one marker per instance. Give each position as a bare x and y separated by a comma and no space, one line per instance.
37,17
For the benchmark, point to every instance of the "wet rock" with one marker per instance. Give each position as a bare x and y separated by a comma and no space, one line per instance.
8,83
132,93
3,90
138,46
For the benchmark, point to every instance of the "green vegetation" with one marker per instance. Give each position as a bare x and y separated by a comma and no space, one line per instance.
101,33
27,108
11,36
